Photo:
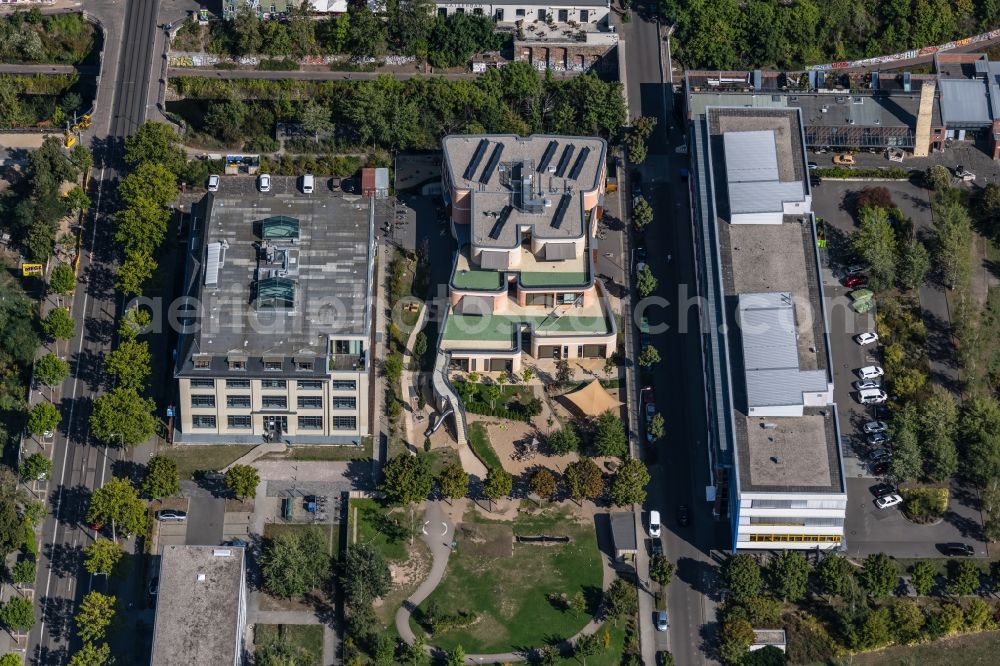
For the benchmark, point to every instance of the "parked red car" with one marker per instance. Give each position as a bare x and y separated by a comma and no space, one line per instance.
855,281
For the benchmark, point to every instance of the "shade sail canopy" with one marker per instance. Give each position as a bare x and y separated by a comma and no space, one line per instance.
592,399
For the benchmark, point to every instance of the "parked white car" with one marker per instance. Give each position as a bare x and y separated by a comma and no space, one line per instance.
866,338
872,396
886,501
213,183
870,372
654,524
264,182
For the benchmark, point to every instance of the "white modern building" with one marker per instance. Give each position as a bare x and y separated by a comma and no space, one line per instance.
201,607
580,12
777,463
275,326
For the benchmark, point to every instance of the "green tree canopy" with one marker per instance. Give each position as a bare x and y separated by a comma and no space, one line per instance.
243,480
564,440
51,370
454,481
922,575
17,614
609,435
35,466
642,213
661,569
123,417
498,483
649,356
91,655
629,484
94,616
875,244
543,483
879,575
43,417
155,142
101,556
58,324
117,503
407,479
161,478
62,280
583,479
835,575
788,575
364,575
129,364
741,575
645,282
294,564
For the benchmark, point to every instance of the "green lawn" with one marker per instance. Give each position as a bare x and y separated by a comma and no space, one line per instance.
479,440
476,280
971,650
548,279
612,656
387,529
191,459
509,593
308,638
272,530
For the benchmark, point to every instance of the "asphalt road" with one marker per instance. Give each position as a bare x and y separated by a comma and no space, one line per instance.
679,463
80,465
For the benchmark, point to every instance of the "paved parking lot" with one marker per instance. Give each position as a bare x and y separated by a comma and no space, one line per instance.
869,529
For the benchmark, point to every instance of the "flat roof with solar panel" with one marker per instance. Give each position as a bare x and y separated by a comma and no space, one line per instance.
275,273
513,183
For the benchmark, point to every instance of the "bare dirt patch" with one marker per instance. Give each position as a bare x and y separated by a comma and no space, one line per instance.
487,540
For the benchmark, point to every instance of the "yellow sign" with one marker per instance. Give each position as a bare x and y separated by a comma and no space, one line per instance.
31,269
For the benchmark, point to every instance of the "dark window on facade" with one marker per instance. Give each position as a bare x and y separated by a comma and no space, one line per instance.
238,401
237,383
304,366
272,364
203,401
239,422
309,384
345,423
563,15
310,423
273,383
202,383
199,421
237,365
344,385
542,14
584,16
202,362
310,402
344,403
274,402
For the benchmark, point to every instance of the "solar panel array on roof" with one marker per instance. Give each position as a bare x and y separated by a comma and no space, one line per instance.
492,164
574,173
547,156
499,224
477,157
561,209
564,160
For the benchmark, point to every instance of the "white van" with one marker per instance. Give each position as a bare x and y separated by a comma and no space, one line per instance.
307,183
872,396
654,524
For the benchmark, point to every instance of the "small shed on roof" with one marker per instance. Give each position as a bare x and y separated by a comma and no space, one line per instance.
623,535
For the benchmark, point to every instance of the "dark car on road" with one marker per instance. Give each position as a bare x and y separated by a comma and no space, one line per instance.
683,515
956,548
656,547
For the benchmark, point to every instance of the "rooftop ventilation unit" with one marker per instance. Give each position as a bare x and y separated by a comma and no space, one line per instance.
477,157
499,224
564,160
560,213
574,173
547,156
492,164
